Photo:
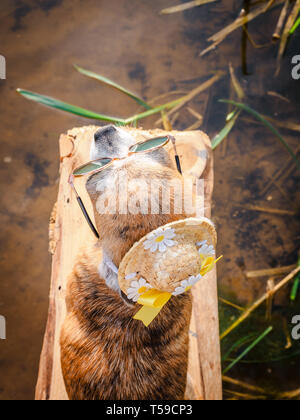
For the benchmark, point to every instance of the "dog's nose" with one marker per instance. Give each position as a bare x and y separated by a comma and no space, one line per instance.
108,130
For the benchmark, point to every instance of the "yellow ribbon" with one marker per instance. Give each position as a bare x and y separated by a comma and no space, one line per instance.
153,300
208,264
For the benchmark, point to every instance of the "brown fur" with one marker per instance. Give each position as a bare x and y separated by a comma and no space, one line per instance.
108,355
105,353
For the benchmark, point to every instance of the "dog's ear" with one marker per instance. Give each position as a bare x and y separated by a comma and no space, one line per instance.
169,255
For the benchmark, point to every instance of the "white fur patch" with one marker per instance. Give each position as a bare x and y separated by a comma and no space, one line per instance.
93,151
109,272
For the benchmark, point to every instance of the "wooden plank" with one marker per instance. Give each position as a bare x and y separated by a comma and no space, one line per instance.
68,231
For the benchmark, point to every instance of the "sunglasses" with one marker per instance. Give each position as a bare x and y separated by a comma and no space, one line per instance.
96,166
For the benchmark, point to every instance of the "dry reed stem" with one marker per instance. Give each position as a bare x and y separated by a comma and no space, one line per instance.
284,193
244,385
194,126
175,118
288,125
185,6
224,144
286,33
270,288
278,271
252,388
166,122
290,394
289,343
199,120
240,21
281,21
277,95
245,396
287,173
167,94
235,83
260,301
204,86
253,43
227,302
195,113
280,173
278,212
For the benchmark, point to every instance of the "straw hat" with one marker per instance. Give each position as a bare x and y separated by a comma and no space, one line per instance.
169,259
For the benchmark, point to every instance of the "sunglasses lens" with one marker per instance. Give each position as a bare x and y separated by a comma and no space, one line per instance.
90,167
149,144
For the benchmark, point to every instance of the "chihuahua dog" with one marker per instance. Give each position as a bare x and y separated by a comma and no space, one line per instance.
105,353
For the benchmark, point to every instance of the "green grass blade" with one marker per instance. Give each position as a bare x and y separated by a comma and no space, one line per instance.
269,360
155,110
260,118
248,349
225,131
296,285
242,341
295,289
295,27
109,82
63,106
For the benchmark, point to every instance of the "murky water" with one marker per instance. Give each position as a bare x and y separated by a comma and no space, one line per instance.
151,54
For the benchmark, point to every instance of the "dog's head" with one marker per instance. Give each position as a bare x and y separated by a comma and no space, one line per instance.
131,177
114,142
111,141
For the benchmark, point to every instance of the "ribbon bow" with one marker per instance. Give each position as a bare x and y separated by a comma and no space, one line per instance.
154,300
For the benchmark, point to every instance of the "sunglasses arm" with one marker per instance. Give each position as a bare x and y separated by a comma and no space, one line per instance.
173,140
83,209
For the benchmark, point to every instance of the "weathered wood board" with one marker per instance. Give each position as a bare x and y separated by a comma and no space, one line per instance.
68,231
